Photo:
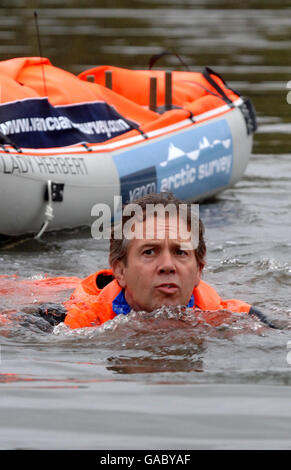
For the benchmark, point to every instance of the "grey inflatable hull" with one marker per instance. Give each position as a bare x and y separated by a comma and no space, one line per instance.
60,187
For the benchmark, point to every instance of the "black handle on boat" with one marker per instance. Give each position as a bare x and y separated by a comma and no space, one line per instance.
108,79
4,140
156,57
168,89
153,94
90,78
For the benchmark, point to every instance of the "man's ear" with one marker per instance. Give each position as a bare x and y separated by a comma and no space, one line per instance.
118,269
198,276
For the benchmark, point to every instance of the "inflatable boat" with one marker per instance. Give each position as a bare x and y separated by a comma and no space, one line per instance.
110,134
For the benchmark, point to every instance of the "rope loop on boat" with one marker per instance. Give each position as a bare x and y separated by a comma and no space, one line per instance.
49,212
154,58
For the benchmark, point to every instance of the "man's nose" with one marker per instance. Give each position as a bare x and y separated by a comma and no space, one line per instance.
166,263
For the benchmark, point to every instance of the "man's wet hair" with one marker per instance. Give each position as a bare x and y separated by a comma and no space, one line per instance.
119,246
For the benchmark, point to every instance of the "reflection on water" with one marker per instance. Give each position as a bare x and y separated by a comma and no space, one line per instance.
172,339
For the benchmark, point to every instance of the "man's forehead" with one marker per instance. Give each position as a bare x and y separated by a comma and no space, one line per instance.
155,225
159,242
156,229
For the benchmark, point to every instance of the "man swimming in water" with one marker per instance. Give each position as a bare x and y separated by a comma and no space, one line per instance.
156,260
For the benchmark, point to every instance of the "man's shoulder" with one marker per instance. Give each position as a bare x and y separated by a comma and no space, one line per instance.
96,282
206,297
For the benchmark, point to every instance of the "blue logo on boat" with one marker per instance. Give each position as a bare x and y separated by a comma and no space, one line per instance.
35,123
189,163
138,184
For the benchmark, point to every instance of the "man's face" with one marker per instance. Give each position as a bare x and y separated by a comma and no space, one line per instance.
159,271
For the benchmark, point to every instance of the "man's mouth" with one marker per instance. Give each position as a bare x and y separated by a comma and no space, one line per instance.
167,288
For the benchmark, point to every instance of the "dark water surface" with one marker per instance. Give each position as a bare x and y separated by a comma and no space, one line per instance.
162,381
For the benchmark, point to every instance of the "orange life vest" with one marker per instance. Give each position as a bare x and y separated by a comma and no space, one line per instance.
91,303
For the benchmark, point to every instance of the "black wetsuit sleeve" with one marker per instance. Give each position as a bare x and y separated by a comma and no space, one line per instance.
255,312
52,313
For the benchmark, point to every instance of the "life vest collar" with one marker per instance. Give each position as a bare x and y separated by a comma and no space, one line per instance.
120,305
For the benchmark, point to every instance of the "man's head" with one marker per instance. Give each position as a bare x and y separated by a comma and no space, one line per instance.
160,256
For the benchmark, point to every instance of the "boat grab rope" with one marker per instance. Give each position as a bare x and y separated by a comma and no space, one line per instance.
49,212
156,57
4,140
207,72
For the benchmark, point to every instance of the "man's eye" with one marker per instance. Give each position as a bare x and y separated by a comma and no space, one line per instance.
180,252
148,251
